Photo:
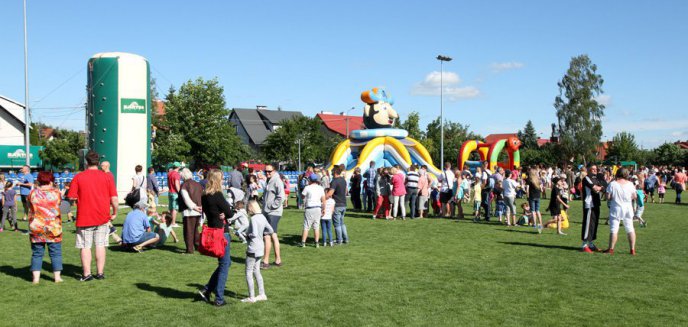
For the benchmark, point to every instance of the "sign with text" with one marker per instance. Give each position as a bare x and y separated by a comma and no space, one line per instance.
133,106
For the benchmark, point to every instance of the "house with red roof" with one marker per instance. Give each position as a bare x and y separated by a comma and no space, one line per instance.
339,124
682,144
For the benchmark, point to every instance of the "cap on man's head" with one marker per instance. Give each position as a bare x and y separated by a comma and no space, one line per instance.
176,164
314,178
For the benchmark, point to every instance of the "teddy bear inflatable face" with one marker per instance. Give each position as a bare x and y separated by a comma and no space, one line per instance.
513,143
379,115
378,112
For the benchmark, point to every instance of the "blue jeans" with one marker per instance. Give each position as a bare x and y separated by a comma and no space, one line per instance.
55,252
534,205
339,226
326,225
218,279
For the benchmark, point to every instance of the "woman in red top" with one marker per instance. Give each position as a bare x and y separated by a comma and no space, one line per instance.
398,192
45,226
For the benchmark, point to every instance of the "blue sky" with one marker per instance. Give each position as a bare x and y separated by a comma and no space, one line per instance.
317,56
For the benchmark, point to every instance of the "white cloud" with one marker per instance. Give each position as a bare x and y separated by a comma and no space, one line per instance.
430,86
498,67
646,125
679,133
604,99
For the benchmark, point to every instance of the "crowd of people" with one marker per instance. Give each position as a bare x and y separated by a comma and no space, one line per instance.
250,204
387,192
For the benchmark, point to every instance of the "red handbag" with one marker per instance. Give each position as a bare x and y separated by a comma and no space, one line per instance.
213,242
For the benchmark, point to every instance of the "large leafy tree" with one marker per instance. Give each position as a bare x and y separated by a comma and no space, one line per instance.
623,147
57,153
547,155
412,126
63,148
454,136
669,154
282,144
195,127
579,114
528,136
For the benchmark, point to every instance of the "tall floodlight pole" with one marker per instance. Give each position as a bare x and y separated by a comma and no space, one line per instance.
298,141
27,123
442,59
347,121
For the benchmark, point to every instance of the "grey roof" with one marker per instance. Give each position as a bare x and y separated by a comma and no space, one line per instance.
257,122
277,116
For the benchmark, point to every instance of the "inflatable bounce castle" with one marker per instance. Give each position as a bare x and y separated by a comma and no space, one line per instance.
490,152
379,142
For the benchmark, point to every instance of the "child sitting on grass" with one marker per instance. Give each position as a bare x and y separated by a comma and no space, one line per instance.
164,228
640,206
525,219
258,227
240,221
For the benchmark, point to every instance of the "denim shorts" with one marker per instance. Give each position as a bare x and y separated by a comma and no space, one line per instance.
273,220
145,237
534,205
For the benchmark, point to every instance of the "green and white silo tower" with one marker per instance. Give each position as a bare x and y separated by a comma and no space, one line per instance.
118,114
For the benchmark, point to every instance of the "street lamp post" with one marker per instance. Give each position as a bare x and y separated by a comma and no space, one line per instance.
298,141
347,121
442,59
27,115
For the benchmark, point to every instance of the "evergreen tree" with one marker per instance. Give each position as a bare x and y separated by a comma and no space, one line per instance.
528,136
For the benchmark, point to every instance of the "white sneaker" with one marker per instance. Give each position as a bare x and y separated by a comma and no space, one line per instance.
249,300
261,297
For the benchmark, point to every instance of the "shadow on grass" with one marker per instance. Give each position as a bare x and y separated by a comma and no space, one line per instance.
172,293
525,230
24,273
292,240
227,293
167,292
546,246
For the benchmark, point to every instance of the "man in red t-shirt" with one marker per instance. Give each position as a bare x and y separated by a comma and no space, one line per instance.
96,195
173,186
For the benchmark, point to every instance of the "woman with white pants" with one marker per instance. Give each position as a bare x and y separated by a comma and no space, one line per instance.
621,194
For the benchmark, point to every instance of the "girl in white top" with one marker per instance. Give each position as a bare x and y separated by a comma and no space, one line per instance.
510,186
138,181
621,194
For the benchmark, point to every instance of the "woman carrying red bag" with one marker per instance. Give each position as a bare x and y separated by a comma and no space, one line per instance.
216,210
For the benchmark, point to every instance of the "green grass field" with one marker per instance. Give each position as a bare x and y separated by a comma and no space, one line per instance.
394,273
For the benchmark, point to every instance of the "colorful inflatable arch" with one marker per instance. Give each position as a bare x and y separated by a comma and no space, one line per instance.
490,152
379,142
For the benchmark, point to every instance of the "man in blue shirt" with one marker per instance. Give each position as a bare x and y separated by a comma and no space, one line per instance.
650,184
25,185
136,231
